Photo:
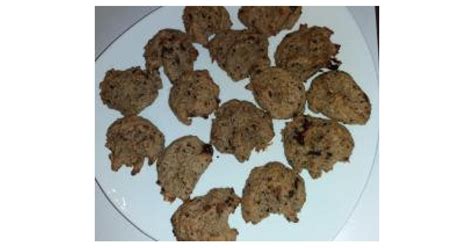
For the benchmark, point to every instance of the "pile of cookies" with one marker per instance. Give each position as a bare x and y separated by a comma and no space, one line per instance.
239,127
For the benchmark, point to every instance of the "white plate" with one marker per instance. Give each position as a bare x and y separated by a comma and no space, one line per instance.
330,199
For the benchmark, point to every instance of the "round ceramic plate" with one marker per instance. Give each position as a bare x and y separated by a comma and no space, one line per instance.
330,199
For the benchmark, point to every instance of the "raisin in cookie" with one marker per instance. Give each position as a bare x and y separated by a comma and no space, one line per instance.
129,91
269,20
306,51
201,22
205,218
173,50
272,188
183,163
194,94
337,95
240,53
239,127
316,144
278,92
132,139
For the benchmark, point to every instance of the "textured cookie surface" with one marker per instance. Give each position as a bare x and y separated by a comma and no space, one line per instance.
316,144
173,50
205,218
239,127
129,91
337,95
278,92
201,22
194,94
183,163
269,20
240,53
306,51
132,139
273,188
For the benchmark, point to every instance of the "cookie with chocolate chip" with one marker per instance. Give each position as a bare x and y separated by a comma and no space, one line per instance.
172,49
306,51
195,94
131,139
183,163
201,22
240,127
272,189
269,20
205,218
129,91
336,95
240,53
278,92
316,144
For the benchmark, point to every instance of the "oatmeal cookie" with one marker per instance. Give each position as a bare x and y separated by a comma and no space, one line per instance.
205,218
131,139
201,22
278,92
269,20
316,144
273,188
307,51
239,127
194,94
183,163
129,91
240,53
173,50
336,95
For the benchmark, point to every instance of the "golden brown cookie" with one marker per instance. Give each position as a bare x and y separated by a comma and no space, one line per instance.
337,95
129,91
239,127
278,92
131,139
201,22
306,51
194,94
272,188
240,53
269,20
183,163
205,218
316,144
173,50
